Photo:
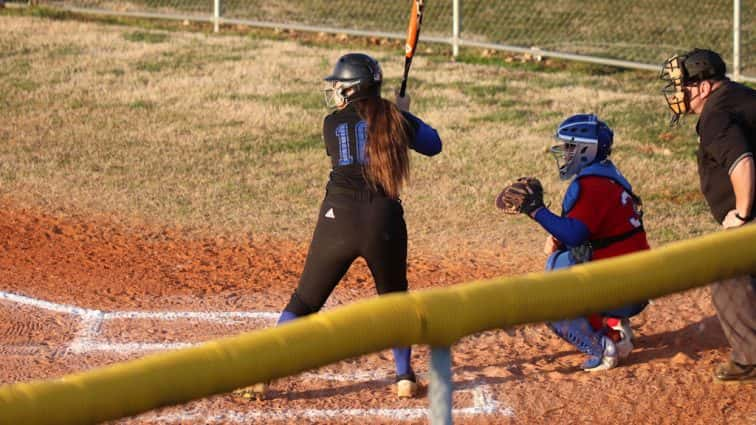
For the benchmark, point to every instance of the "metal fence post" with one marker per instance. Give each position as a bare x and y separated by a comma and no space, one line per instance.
736,40
440,390
456,18
216,15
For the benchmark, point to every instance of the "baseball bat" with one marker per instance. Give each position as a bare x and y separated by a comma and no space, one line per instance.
413,36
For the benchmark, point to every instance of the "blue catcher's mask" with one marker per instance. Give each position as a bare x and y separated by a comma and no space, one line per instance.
582,140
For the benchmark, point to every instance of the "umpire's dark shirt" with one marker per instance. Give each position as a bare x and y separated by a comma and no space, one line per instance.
727,133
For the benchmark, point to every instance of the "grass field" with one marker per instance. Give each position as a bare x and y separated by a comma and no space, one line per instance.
222,133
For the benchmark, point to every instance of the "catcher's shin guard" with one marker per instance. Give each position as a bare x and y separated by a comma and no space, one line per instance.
607,360
580,333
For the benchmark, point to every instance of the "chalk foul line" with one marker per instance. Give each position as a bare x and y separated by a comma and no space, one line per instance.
91,321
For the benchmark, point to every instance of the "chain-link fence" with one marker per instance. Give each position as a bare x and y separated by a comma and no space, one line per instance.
640,33
748,38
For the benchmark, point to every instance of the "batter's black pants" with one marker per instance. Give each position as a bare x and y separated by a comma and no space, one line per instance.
353,224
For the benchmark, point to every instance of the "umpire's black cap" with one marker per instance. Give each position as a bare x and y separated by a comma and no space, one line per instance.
703,64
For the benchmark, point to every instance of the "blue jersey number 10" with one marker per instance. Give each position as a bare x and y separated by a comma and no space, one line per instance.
345,154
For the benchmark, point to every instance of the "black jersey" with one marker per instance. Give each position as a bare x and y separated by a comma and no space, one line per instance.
345,137
727,133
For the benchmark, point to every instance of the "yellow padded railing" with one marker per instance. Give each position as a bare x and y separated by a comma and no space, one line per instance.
437,317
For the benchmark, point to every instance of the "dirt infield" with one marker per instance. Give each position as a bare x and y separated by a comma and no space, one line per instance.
157,289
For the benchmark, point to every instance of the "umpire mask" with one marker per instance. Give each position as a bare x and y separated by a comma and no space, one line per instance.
687,70
677,99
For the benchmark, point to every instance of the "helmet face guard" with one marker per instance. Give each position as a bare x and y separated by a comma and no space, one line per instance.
573,155
335,93
673,73
356,76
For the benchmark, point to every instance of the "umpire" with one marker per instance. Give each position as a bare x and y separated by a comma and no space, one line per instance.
726,128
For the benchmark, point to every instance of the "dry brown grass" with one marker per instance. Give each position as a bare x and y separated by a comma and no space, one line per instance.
222,134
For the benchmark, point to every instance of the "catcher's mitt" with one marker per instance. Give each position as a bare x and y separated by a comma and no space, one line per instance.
523,196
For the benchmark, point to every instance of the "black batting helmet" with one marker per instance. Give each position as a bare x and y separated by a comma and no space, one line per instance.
355,76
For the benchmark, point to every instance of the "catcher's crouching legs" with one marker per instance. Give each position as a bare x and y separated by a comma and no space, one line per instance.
580,333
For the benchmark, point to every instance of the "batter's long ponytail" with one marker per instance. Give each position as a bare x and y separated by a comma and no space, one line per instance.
389,137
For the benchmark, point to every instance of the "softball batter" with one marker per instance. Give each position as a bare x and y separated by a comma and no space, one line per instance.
368,140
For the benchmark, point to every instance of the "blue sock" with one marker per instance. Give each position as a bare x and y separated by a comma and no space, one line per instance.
286,316
402,361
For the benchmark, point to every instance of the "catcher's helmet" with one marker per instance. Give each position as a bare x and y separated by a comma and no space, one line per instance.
582,139
355,76
688,69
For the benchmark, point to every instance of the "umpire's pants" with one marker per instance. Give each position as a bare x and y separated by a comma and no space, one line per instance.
735,302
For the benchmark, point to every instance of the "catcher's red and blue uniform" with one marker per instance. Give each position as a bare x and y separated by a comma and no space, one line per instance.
599,212
604,202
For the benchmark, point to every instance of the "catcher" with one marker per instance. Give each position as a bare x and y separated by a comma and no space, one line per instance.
601,218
